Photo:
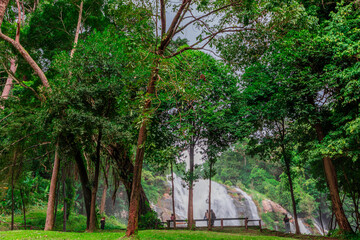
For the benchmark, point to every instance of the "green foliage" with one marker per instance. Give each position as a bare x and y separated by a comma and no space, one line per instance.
149,221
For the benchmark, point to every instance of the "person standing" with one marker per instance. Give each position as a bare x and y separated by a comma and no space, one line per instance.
287,224
213,217
206,217
102,223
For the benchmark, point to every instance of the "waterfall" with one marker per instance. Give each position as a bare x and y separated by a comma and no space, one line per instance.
221,203
252,211
303,229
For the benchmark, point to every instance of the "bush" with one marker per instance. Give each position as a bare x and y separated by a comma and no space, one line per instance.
149,220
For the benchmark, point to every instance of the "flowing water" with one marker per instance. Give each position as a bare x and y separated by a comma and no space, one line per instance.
221,203
252,211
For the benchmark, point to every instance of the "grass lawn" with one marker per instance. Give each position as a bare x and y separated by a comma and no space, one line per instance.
146,235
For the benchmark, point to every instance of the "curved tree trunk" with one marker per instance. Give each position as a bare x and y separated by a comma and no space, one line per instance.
332,182
136,184
85,184
93,222
50,218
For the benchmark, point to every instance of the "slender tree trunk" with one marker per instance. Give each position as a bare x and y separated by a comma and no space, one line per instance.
103,198
65,204
12,202
85,184
288,173
320,217
23,206
173,194
56,202
13,66
49,223
93,222
76,39
28,59
332,182
9,81
12,191
191,196
209,225
126,169
135,196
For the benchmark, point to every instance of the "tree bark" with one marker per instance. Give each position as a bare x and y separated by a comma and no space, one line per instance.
12,202
85,184
9,81
136,184
191,194
65,204
288,173
103,198
209,224
49,223
13,66
28,59
23,206
332,182
173,194
3,6
93,222
77,29
56,202
125,169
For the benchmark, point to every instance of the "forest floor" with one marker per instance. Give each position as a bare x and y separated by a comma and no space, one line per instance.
149,234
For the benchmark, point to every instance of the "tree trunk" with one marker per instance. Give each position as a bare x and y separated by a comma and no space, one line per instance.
56,202
3,6
85,184
12,203
103,198
13,66
321,221
93,222
173,194
49,223
125,169
332,182
191,196
209,224
65,205
9,81
288,173
28,59
77,29
136,184
23,206
12,191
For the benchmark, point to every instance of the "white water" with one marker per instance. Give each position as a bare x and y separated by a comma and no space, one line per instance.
252,212
317,224
303,229
221,203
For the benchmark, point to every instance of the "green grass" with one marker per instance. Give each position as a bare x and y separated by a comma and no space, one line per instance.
143,235
36,218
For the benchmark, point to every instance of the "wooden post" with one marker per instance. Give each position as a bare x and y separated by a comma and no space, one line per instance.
246,223
260,224
222,224
168,224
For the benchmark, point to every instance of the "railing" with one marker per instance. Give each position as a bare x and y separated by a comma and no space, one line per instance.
181,223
